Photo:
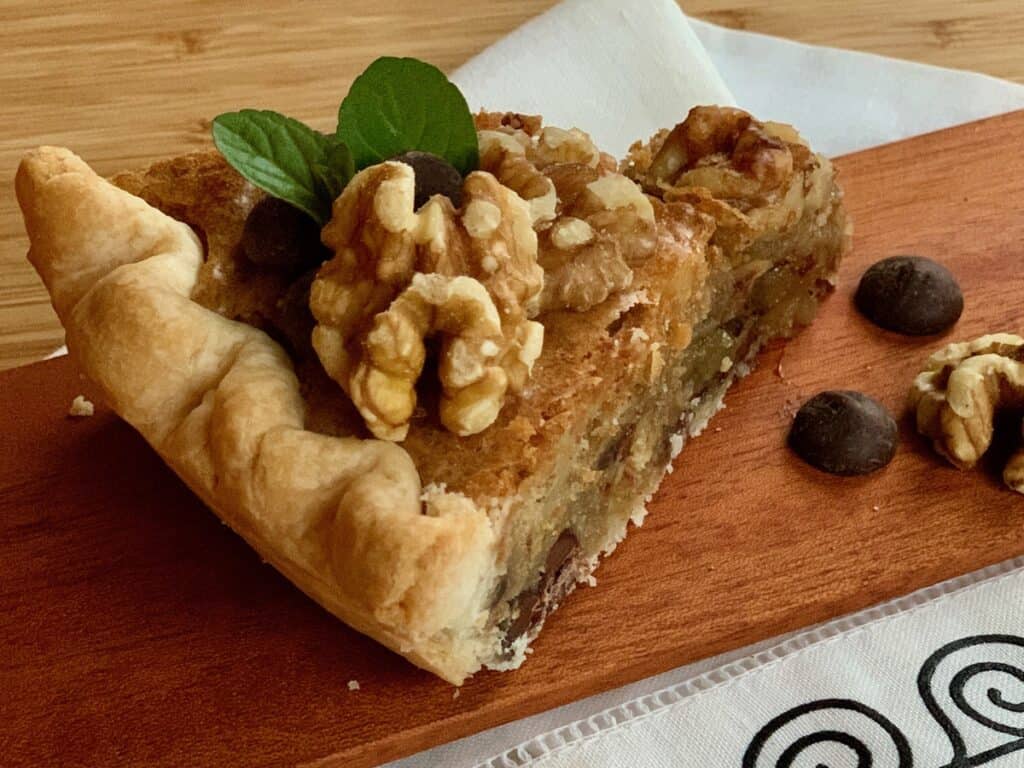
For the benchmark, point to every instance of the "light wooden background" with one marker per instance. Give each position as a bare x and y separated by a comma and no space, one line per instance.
127,81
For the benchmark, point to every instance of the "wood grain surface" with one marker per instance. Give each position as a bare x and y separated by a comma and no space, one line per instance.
138,630
124,82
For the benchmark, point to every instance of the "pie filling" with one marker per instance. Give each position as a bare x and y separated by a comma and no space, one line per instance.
651,307
594,493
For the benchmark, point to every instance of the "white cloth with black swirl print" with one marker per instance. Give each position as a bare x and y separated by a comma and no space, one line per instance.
932,680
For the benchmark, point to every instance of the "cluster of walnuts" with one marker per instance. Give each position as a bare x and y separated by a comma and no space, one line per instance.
546,224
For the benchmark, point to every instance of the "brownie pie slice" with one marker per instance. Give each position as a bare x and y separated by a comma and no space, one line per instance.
436,415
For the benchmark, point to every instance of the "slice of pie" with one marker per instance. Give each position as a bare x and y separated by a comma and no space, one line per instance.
436,425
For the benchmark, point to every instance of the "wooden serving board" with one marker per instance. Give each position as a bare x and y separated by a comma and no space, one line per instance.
138,630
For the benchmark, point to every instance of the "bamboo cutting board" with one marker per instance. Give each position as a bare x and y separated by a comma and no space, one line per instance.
138,630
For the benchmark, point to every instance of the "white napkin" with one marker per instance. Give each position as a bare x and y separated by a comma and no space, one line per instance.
936,675
709,713
621,71
618,70
843,101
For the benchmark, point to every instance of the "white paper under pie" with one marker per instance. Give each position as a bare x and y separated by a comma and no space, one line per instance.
618,70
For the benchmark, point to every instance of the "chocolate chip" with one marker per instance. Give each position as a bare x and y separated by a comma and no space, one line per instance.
535,603
845,433
910,294
295,321
560,553
279,235
527,603
434,176
617,449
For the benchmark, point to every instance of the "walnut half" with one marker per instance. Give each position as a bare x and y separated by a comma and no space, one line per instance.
400,275
750,176
594,224
956,397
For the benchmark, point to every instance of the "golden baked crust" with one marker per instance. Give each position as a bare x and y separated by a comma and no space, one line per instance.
219,401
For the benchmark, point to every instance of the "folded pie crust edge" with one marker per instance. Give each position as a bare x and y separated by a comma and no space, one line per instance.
344,519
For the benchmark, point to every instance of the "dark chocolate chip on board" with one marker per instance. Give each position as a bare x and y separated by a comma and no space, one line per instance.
844,433
910,294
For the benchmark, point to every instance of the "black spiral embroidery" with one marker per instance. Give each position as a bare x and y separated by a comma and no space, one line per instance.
999,712
995,670
863,751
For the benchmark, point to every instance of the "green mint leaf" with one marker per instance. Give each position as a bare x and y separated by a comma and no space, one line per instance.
280,156
399,105
335,170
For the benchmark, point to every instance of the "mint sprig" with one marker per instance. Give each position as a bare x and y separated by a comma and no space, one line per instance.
395,106
284,157
335,169
401,105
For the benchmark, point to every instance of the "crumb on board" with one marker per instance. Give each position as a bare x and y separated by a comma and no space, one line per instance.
353,685
875,508
81,406
456,693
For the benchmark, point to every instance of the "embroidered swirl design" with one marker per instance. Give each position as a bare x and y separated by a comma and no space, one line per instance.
864,749
993,664
1010,710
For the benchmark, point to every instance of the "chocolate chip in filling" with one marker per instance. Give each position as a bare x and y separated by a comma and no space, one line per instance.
280,236
535,604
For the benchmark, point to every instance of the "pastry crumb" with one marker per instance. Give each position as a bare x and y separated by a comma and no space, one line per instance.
456,693
81,407
875,508
353,685
675,445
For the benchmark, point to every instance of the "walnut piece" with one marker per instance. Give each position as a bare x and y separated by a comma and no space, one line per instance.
400,275
593,222
748,175
957,395
691,153
600,232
